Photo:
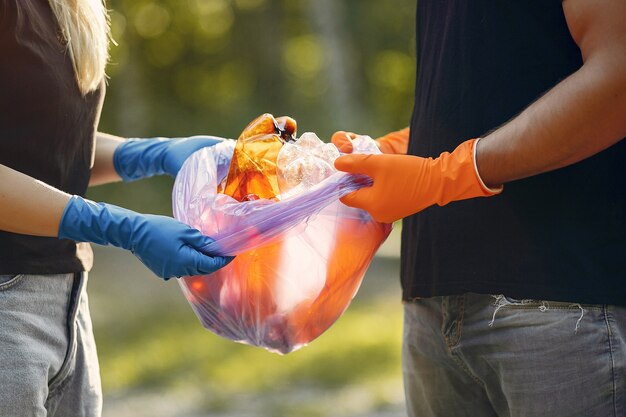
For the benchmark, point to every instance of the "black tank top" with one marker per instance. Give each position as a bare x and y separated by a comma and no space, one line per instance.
556,236
47,128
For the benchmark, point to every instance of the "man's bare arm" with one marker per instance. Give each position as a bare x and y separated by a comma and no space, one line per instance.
580,116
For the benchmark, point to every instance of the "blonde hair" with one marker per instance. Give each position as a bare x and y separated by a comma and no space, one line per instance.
85,27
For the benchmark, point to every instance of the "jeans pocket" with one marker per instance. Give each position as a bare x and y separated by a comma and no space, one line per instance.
8,281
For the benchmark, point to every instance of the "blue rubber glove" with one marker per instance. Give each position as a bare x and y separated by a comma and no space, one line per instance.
165,245
141,158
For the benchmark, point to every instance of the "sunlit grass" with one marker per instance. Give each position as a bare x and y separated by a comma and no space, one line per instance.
358,358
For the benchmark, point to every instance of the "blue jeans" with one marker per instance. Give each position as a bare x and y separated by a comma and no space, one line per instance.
478,355
48,362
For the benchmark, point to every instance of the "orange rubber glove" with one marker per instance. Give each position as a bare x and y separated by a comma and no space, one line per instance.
392,143
404,185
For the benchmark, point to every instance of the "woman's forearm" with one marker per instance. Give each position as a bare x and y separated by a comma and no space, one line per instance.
103,171
29,206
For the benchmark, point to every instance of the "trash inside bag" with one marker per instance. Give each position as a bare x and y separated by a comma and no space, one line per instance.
273,201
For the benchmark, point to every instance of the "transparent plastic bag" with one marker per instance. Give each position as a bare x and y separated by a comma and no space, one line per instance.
300,257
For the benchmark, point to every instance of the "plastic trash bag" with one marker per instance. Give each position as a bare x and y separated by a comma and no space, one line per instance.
301,255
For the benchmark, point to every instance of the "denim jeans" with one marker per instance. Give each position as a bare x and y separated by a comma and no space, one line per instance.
479,355
48,362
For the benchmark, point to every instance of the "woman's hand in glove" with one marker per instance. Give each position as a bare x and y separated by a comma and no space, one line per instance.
141,158
166,246
404,185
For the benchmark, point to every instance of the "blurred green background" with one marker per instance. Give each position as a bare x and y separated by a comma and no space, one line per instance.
185,67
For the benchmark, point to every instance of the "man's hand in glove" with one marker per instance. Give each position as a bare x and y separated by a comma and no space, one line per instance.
404,185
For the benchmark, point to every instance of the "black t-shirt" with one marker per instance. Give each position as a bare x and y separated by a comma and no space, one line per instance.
555,236
47,128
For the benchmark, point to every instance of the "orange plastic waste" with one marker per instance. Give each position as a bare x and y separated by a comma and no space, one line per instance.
280,292
252,173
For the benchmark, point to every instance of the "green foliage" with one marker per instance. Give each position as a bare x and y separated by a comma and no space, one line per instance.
189,66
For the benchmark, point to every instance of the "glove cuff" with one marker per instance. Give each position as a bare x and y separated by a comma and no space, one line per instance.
79,221
395,142
87,221
135,159
459,179
490,191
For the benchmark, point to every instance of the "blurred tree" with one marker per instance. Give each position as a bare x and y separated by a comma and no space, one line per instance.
328,17
183,67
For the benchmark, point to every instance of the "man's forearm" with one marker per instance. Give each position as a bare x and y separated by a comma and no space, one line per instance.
103,170
578,118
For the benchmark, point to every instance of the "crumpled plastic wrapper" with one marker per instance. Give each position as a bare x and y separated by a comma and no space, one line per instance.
301,254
